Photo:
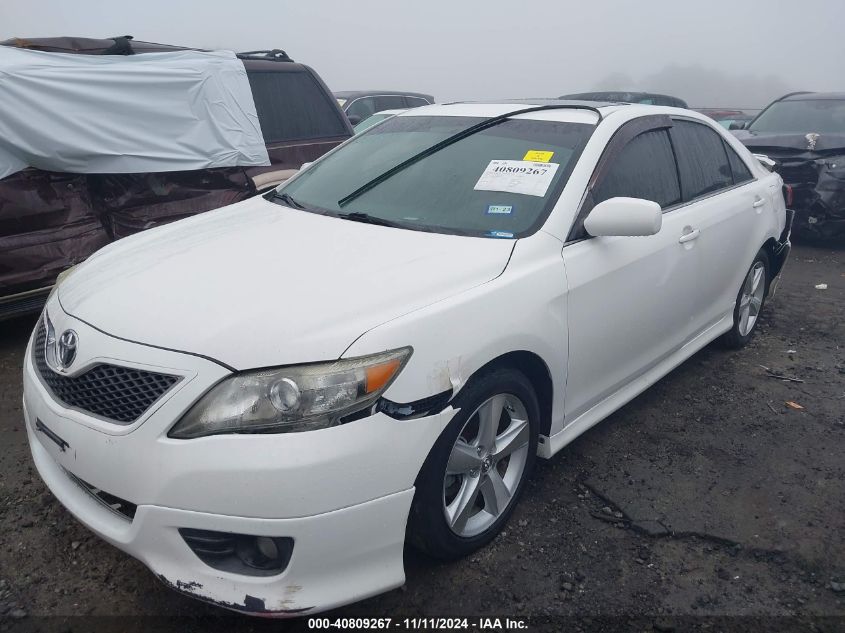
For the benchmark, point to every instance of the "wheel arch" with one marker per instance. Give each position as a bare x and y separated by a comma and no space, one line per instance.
536,370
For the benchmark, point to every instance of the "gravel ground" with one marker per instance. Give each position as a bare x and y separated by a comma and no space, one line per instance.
705,496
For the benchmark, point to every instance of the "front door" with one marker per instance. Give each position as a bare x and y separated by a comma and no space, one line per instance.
629,297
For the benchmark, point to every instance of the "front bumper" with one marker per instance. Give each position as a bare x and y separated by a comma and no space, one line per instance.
342,494
338,557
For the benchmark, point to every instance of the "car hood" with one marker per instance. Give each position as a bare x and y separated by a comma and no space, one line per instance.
797,143
257,284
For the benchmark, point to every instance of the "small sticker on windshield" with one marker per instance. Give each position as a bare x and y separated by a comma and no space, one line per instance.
500,209
502,234
538,156
517,176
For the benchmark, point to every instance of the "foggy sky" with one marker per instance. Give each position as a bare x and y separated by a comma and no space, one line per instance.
714,53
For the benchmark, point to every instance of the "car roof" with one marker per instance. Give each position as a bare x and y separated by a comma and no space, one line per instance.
625,96
354,94
255,60
590,112
86,45
814,96
503,106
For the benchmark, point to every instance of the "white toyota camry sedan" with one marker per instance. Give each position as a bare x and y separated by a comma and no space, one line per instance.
266,402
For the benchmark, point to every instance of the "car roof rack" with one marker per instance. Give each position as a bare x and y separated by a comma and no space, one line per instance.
274,55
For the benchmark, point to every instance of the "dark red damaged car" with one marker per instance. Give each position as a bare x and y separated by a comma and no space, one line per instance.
50,221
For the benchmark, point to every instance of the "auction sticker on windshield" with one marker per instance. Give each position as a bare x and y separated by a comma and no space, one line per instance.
538,156
517,176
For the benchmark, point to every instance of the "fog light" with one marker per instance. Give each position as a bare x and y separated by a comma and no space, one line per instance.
240,553
267,547
263,552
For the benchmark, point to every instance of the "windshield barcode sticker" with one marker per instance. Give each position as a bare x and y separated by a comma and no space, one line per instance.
517,176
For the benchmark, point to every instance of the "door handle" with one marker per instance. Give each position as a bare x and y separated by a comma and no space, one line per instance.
689,235
758,202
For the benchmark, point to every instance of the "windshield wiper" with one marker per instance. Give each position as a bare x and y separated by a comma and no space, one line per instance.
288,200
366,218
451,140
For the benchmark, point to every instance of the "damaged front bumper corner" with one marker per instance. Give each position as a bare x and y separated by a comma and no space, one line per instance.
819,189
338,557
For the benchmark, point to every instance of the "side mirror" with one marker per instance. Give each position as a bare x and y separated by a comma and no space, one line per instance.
737,125
624,216
354,119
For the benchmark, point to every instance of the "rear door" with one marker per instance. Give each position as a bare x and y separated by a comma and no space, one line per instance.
629,297
717,183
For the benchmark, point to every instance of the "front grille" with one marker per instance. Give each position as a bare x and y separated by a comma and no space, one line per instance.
119,394
115,504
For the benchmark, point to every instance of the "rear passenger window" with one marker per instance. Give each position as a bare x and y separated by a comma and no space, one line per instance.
645,168
740,170
292,106
702,159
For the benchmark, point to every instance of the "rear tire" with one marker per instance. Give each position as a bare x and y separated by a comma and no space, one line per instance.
477,469
749,302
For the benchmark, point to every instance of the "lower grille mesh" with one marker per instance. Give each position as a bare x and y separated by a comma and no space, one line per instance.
117,505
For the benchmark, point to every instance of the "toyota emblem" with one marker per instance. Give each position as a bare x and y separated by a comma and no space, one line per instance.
66,351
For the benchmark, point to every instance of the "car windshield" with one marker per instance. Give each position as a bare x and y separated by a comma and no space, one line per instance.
498,182
810,115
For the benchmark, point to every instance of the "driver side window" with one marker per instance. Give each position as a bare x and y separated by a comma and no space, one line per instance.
362,108
644,168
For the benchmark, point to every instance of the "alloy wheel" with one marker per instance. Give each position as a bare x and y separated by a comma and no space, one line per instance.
751,299
486,464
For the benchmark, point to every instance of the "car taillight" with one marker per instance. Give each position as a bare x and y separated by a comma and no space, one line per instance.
788,195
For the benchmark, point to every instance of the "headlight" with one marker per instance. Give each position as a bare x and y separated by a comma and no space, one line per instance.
290,399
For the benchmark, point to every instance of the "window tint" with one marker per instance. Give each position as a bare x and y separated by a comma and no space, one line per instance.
363,108
415,102
292,106
645,168
702,159
390,103
740,170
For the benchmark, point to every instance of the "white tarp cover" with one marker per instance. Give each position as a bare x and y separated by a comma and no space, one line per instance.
149,112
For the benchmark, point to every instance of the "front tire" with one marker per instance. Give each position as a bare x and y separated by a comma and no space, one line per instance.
477,469
749,302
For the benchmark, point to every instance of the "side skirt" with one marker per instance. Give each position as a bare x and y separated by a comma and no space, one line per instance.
548,446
